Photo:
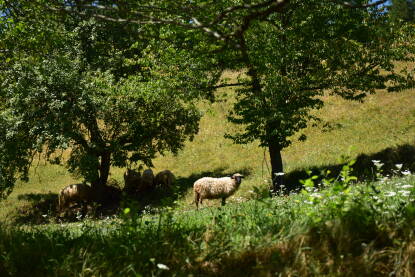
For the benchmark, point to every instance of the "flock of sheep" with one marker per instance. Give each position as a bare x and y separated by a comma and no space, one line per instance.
136,184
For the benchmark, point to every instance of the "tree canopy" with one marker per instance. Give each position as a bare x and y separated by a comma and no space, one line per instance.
403,10
292,52
296,57
110,95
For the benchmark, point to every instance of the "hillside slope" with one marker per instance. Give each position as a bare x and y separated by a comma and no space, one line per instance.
383,120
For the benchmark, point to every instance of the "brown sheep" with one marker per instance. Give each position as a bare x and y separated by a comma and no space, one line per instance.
132,181
164,178
147,180
74,193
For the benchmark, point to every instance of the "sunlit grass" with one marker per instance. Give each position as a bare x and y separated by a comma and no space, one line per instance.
383,120
369,235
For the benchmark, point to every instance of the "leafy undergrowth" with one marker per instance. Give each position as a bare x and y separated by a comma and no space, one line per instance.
341,229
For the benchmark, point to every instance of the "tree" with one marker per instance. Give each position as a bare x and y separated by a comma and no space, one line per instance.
93,89
295,57
402,10
293,51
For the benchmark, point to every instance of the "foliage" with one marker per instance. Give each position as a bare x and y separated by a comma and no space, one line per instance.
294,58
402,10
367,231
92,88
289,52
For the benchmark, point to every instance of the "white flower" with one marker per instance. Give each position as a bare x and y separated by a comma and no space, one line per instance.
406,186
399,166
406,172
390,193
163,266
316,195
404,192
377,163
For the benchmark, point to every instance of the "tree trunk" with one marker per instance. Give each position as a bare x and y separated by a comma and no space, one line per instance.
104,169
276,167
99,184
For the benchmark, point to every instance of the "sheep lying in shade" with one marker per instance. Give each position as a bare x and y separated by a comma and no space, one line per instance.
164,178
132,181
74,193
215,188
147,179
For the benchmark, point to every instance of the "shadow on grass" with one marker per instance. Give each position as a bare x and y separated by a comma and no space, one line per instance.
42,208
363,169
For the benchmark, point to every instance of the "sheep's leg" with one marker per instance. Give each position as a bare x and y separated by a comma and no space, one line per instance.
197,196
223,201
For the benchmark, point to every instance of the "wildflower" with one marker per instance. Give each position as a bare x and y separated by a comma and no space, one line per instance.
404,192
390,193
377,163
406,172
309,189
384,179
406,186
399,166
163,266
316,195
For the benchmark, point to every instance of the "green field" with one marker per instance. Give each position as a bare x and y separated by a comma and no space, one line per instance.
364,231
383,121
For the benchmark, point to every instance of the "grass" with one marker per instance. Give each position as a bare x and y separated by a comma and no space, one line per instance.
368,234
383,120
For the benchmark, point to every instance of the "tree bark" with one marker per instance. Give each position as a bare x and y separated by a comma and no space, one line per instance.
104,169
99,184
276,167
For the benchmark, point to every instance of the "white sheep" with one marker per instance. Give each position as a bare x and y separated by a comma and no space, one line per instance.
215,188
164,178
74,193
147,179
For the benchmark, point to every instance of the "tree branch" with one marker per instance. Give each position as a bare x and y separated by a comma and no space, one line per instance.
276,7
231,85
352,5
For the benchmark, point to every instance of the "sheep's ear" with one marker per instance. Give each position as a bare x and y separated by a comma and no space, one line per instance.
232,177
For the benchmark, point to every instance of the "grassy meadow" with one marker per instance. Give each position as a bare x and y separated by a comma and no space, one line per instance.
341,230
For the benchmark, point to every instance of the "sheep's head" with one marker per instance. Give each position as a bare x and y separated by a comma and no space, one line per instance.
131,174
238,177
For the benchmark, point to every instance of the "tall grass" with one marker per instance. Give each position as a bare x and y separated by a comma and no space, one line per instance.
354,232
